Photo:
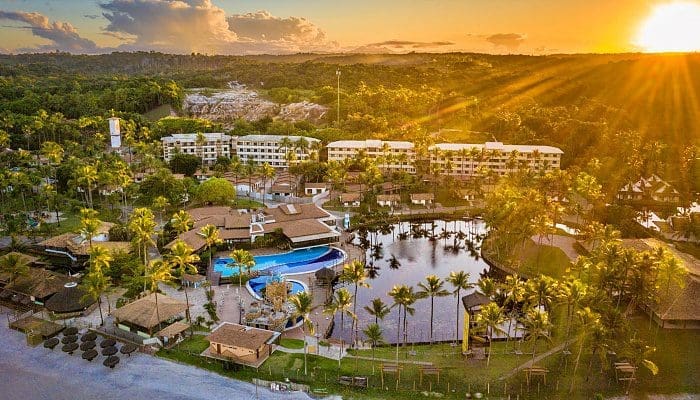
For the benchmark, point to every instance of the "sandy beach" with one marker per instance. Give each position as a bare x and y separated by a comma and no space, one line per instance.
39,373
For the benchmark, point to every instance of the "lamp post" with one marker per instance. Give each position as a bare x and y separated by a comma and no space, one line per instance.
337,73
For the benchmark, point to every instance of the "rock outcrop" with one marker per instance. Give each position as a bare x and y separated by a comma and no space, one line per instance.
241,102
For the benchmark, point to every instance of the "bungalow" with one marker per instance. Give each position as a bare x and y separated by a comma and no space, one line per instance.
679,306
34,288
145,316
467,194
314,188
388,200
649,190
350,199
76,247
281,189
241,344
423,199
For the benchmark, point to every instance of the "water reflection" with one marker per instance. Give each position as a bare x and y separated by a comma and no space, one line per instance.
406,253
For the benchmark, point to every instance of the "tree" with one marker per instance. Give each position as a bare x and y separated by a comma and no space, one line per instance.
96,282
15,265
460,281
89,224
373,333
588,321
158,271
537,326
211,238
186,164
217,191
340,304
354,272
638,353
182,258
490,318
160,203
514,289
267,172
378,309
671,270
86,178
541,291
302,305
142,227
181,222
432,287
242,259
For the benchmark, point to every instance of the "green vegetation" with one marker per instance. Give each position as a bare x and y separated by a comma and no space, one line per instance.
541,259
292,343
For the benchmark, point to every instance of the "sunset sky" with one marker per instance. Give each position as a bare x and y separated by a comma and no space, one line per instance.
283,26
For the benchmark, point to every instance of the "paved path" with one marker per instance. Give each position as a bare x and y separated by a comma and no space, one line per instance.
38,373
564,243
537,359
331,352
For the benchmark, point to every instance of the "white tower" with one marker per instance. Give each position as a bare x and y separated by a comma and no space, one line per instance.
114,133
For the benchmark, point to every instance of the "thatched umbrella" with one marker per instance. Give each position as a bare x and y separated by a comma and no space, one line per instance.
128,349
51,343
108,343
70,299
71,330
87,346
89,337
109,351
111,361
70,348
69,339
90,354
325,275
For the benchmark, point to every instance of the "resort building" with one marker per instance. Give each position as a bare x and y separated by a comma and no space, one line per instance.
277,150
351,199
422,199
207,146
391,156
75,247
301,224
388,200
241,344
145,317
460,159
651,190
314,188
33,289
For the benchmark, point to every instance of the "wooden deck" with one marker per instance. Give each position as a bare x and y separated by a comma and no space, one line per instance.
31,323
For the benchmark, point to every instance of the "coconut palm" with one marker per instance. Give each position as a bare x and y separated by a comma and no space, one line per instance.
302,305
181,222
200,140
267,172
588,321
182,259
541,291
571,292
15,265
378,309
340,304
537,326
94,284
374,334
638,353
354,272
211,238
242,259
160,203
87,178
671,270
490,318
487,286
142,227
89,224
460,281
514,289
158,271
394,262
432,287
398,294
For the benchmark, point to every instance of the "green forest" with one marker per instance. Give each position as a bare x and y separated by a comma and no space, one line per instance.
630,114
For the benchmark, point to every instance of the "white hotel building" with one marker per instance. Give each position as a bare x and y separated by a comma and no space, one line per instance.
495,156
269,149
395,156
215,145
466,158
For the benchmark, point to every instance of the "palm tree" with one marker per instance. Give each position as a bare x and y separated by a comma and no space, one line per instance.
355,273
638,353
571,292
515,292
211,238
541,291
538,326
242,259
200,140
432,287
158,271
398,294
341,304
181,222
373,333
394,262
378,309
86,178
182,258
94,285
142,226
15,265
671,270
160,203
89,224
302,304
460,281
589,321
267,172
490,318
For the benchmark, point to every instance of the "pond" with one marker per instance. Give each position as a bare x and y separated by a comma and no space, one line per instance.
421,249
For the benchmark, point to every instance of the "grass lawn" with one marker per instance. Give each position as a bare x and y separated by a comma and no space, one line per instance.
541,259
242,202
292,343
158,112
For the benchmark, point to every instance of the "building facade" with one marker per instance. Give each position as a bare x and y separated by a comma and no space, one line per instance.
207,146
391,156
277,150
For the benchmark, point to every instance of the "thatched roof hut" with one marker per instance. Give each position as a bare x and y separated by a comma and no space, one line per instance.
70,299
142,314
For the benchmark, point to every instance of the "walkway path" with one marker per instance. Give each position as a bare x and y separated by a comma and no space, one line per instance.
537,359
330,352
392,361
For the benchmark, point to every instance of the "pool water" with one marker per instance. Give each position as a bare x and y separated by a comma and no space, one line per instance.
257,284
294,262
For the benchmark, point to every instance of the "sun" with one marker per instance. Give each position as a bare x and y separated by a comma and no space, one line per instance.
672,27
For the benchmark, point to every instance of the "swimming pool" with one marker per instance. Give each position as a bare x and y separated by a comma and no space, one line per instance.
256,285
298,261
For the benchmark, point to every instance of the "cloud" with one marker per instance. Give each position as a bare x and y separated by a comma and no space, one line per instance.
400,44
508,40
91,16
63,35
170,25
263,26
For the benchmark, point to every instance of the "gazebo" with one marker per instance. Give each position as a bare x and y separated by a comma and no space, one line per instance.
142,318
69,301
473,302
